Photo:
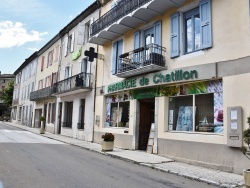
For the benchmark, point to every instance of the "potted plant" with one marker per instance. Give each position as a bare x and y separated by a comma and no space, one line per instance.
246,152
42,129
108,142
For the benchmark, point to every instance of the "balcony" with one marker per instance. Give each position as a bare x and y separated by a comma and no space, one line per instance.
142,60
126,15
40,94
72,85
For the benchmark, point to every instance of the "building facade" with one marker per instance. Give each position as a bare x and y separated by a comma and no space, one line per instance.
22,107
175,69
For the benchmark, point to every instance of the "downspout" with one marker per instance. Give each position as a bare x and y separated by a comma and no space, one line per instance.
95,87
57,78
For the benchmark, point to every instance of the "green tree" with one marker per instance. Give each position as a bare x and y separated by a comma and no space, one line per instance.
7,94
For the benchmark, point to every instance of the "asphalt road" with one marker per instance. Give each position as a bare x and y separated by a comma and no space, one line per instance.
28,160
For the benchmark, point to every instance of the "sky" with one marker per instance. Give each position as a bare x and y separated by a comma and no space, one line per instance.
27,25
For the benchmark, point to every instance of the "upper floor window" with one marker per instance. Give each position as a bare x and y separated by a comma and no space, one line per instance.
196,27
40,84
117,51
42,63
84,32
50,58
69,44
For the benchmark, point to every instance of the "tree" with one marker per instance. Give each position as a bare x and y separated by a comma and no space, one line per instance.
7,94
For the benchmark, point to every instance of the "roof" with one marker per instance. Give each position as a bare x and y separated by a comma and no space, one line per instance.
26,62
7,76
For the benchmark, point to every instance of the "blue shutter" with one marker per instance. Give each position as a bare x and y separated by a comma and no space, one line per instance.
157,33
119,52
175,35
206,31
113,67
137,37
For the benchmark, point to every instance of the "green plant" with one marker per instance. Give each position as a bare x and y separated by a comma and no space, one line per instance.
246,139
108,137
42,118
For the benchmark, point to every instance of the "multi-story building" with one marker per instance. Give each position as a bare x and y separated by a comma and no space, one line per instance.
25,76
75,88
46,76
179,70
4,81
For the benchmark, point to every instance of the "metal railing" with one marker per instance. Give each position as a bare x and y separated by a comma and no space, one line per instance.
67,124
122,9
40,94
79,81
141,57
80,125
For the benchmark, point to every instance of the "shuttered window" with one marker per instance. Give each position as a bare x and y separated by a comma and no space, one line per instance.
197,33
117,51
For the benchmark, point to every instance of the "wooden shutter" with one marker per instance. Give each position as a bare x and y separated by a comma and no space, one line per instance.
80,37
137,40
66,46
114,57
175,35
72,42
157,33
206,28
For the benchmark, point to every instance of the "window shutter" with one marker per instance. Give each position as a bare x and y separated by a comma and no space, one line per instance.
42,64
137,36
175,35
88,73
157,33
72,42
80,38
65,45
48,56
63,73
113,68
91,21
70,70
80,67
206,28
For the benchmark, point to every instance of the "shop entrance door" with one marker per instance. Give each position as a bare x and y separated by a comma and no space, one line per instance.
147,111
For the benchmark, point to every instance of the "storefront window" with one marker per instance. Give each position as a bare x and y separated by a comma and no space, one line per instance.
199,108
117,111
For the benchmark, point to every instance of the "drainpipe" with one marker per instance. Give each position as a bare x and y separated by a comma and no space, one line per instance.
95,87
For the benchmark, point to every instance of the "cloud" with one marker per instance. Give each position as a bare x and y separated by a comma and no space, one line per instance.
33,49
15,34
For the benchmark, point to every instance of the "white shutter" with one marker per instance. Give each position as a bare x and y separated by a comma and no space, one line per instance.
80,37
80,67
65,46
70,70
91,21
63,73
88,74
72,42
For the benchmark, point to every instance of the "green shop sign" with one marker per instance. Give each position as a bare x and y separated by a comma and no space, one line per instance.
151,80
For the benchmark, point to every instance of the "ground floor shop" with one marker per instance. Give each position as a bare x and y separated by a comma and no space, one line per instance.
196,115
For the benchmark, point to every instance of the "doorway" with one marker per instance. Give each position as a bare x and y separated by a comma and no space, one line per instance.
147,116
59,118
38,113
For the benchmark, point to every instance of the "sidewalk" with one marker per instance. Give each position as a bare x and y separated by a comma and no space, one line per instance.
215,177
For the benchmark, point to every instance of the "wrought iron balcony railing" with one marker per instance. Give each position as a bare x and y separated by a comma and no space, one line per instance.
152,54
79,81
122,9
40,94
67,124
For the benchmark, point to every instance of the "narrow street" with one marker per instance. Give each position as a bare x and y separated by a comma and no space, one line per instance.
30,160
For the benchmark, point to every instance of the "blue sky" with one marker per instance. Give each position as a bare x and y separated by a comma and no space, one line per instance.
27,25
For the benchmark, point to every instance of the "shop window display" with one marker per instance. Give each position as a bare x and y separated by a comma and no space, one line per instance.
198,107
117,111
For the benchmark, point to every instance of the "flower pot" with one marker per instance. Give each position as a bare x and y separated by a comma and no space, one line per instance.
246,174
107,145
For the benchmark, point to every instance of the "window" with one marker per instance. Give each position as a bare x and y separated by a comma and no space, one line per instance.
56,53
20,113
40,84
50,58
117,51
198,109
52,113
117,114
48,81
87,32
69,44
197,33
81,115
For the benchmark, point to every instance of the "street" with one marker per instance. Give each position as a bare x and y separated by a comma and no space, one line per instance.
29,160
